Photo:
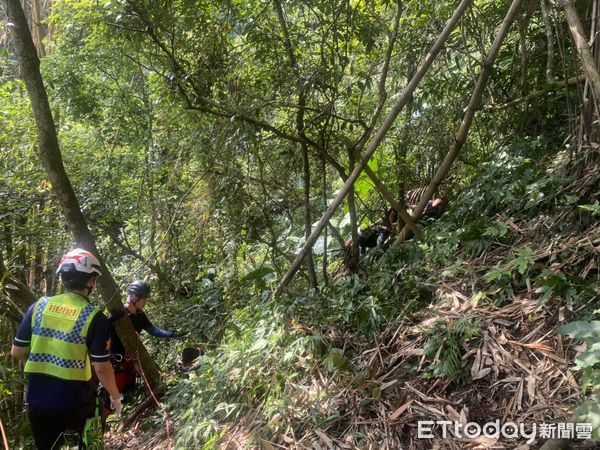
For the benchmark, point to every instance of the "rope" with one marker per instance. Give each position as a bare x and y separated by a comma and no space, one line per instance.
158,404
4,435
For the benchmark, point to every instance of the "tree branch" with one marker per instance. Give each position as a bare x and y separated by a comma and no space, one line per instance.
463,131
377,138
51,158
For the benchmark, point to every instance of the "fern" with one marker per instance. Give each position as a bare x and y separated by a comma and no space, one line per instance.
445,347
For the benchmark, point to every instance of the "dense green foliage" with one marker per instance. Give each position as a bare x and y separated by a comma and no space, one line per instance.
213,134
240,386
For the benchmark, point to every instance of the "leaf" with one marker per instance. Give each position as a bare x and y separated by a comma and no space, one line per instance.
475,368
495,274
590,357
256,274
325,438
482,373
259,344
364,186
594,209
582,330
589,412
400,410
531,387
523,261
497,229
336,360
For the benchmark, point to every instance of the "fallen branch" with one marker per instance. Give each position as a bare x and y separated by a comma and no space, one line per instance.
555,84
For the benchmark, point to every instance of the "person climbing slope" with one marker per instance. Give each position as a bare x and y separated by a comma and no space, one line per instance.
138,293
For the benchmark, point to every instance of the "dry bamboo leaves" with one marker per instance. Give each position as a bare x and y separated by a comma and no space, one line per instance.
518,372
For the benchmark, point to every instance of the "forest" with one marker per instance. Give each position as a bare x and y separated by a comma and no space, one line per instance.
376,221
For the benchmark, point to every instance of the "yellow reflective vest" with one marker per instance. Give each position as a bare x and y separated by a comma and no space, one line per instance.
59,327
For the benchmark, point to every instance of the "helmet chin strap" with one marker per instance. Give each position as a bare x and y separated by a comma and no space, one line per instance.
133,302
90,288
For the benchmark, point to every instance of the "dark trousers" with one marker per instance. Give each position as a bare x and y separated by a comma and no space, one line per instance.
49,424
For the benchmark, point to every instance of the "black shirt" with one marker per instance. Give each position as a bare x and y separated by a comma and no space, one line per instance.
140,321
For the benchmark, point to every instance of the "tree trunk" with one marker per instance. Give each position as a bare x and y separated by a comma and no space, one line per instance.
51,158
310,264
49,274
377,138
588,128
585,53
325,236
549,42
37,30
474,103
353,259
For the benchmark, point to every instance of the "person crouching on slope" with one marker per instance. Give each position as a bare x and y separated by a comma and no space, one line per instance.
61,339
138,293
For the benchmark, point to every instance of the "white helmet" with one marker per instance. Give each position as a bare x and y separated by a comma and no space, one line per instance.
79,260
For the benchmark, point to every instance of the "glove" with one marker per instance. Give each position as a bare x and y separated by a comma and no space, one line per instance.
116,406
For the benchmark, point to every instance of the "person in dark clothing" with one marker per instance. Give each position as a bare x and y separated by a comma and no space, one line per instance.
371,237
63,340
137,296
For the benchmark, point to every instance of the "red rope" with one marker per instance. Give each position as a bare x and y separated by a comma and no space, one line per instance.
160,405
4,439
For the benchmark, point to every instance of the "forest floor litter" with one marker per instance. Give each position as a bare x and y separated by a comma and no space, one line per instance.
517,368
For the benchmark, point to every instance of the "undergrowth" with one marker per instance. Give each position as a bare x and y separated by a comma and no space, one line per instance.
280,363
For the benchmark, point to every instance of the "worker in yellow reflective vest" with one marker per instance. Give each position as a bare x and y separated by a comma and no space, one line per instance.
61,339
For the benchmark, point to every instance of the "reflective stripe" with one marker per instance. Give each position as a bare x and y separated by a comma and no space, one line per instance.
57,361
39,309
413,196
58,339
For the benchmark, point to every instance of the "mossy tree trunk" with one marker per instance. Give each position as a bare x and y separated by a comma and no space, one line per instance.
51,158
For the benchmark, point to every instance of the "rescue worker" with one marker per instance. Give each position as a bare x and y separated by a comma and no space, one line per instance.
138,293
61,340
371,237
435,208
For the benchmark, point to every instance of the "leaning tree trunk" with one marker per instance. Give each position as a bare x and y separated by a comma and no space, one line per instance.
584,51
374,144
463,131
51,158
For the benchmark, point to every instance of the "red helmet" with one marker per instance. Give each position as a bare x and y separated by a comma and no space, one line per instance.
79,260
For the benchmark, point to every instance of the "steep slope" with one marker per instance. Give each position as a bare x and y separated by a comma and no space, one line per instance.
460,326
